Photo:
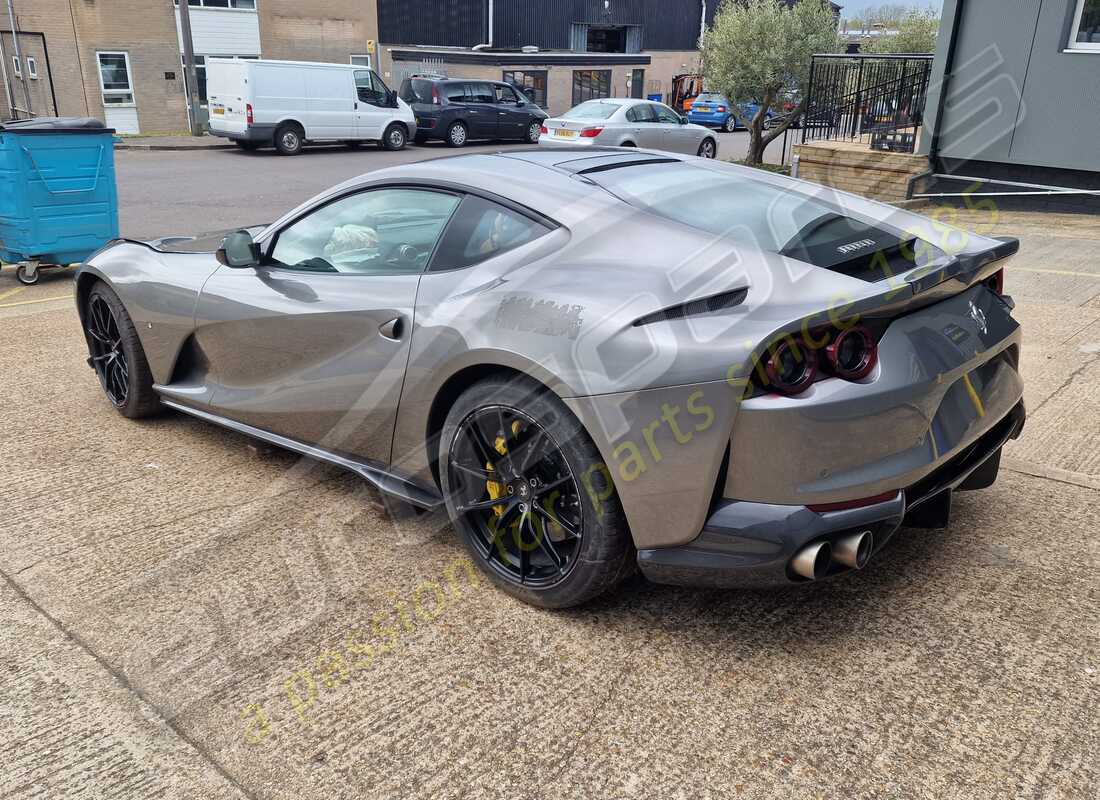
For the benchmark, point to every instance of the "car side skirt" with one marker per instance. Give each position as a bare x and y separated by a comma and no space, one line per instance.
382,479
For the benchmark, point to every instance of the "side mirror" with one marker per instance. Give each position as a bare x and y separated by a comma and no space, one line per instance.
391,98
683,120
238,250
521,102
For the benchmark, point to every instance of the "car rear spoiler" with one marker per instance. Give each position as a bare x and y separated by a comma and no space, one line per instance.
967,268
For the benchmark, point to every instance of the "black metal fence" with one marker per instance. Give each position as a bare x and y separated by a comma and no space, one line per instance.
874,98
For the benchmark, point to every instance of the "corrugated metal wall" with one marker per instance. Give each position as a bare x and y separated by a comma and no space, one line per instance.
447,23
665,24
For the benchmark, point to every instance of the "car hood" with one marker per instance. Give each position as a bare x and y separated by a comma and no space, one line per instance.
200,243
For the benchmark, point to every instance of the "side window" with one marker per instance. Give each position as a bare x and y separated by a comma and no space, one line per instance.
480,93
369,89
505,94
666,114
643,112
384,232
456,92
482,229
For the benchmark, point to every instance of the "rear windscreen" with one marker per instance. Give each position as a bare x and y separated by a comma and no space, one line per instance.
763,215
416,90
592,110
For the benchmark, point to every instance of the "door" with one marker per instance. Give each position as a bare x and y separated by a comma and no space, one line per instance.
481,104
513,115
675,135
312,344
637,83
331,103
371,109
646,130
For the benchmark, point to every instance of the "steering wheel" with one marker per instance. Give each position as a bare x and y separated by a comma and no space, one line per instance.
404,255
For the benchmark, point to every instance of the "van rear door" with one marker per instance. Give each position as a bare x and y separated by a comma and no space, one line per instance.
227,93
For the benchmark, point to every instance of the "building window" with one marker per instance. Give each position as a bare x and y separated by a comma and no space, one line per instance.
361,61
240,5
606,40
114,79
32,68
531,82
590,84
1085,34
16,67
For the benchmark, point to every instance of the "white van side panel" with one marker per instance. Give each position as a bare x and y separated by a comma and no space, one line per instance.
331,104
278,94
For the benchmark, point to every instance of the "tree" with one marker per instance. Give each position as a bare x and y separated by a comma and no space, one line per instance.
758,49
916,34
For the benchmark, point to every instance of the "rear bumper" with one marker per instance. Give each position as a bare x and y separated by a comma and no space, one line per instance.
710,120
259,133
747,545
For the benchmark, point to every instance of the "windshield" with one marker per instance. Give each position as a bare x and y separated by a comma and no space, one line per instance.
593,109
762,215
708,97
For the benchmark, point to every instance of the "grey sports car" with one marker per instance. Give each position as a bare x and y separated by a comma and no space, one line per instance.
596,359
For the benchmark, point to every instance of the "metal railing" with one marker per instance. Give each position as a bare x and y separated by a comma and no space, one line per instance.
877,99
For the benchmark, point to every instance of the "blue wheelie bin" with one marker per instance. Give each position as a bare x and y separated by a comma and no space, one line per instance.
58,201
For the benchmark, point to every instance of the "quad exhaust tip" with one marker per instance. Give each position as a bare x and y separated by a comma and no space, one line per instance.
854,550
812,562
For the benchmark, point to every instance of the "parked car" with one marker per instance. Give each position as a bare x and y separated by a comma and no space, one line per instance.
457,111
592,359
629,123
287,104
715,111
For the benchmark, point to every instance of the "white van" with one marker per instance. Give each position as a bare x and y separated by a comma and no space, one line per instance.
258,103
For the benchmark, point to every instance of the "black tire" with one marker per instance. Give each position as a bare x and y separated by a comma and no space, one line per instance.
708,148
457,134
730,125
628,144
138,400
247,145
534,131
594,551
288,139
395,137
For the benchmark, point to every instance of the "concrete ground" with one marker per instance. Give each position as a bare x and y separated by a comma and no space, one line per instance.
187,617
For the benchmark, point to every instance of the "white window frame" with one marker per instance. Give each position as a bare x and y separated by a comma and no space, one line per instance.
201,4
129,79
368,65
18,68
32,68
1073,44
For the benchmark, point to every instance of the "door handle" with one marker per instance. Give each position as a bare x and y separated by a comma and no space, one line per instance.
392,330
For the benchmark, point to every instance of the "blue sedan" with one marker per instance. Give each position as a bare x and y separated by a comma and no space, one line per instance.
713,110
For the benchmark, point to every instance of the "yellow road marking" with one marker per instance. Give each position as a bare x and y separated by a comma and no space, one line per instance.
40,300
1056,272
10,292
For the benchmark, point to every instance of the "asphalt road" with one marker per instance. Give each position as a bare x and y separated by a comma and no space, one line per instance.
186,617
164,192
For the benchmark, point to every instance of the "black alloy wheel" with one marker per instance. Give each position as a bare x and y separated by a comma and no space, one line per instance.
107,354
517,495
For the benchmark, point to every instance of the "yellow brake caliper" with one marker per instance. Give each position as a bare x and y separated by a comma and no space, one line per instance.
497,489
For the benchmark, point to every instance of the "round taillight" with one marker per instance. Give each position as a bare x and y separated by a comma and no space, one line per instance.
853,354
790,368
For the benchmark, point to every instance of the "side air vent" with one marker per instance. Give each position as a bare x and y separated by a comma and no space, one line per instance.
707,305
